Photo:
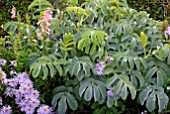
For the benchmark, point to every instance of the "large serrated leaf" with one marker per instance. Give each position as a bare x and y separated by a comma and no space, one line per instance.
62,105
124,93
118,87
55,98
144,94
45,72
132,91
80,44
102,91
86,69
101,52
88,93
96,93
71,101
109,101
80,75
151,72
59,69
111,80
162,100
36,71
108,71
160,78
83,87
52,69
150,102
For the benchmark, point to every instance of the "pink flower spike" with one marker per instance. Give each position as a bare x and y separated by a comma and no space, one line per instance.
13,12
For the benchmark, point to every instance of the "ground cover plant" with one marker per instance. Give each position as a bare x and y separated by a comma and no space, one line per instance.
100,57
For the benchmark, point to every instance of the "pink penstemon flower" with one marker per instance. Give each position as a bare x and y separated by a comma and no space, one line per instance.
13,12
45,22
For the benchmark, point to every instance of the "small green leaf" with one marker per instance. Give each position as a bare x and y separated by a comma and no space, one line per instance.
143,39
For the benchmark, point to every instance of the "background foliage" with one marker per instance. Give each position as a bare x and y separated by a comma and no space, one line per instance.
158,9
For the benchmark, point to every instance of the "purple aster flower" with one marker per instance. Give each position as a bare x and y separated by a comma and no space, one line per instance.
110,92
26,82
25,75
98,71
167,31
28,98
20,78
34,103
14,63
22,105
18,100
35,93
109,58
2,73
29,110
24,89
12,82
18,93
99,68
100,65
3,62
9,91
3,77
6,110
1,101
44,109
12,72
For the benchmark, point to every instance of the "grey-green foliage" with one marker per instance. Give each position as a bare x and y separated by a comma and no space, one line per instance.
62,97
92,88
80,67
122,86
47,66
153,95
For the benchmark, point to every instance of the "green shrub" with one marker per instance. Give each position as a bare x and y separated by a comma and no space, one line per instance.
98,57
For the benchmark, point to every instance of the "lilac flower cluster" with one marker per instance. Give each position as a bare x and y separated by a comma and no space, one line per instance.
110,92
109,58
26,97
99,68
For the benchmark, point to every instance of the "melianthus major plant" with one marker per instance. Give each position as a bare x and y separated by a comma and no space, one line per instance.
100,54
